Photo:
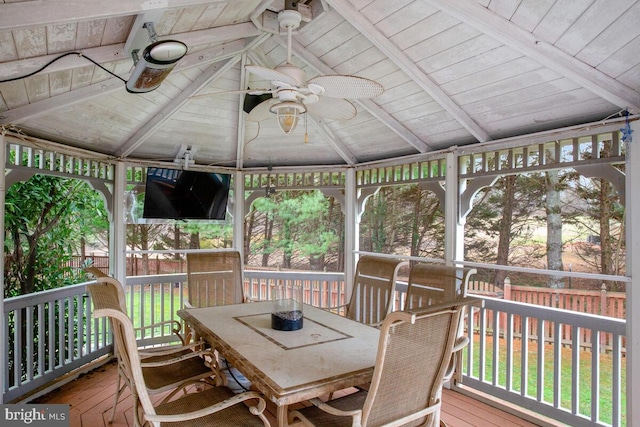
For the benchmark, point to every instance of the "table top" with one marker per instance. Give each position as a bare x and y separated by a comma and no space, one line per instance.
329,353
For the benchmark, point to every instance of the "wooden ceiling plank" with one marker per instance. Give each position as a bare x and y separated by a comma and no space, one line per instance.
14,16
369,105
542,52
400,59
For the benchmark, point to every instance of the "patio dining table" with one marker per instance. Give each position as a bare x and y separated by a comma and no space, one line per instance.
329,353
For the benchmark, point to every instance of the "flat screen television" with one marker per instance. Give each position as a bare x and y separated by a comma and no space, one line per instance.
185,194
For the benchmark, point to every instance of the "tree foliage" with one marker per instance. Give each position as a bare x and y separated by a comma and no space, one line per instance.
46,218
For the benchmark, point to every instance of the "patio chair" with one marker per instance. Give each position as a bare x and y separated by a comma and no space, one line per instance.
432,284
115,286
374,290
214,278
165,367
215,406
413,354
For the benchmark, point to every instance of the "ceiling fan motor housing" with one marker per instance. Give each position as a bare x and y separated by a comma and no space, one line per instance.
289,19
297,74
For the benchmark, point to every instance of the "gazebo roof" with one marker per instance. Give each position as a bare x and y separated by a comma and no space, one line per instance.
454,72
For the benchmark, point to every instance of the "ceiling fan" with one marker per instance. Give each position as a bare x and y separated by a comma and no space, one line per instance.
293,95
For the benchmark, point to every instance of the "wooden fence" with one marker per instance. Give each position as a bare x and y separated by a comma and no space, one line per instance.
136,266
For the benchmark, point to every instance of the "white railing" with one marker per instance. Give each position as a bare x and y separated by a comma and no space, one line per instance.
545,367
503,363
51,334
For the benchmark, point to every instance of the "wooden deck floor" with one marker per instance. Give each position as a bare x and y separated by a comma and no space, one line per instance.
91,397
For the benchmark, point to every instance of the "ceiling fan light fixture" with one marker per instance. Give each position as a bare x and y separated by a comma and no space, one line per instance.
288,113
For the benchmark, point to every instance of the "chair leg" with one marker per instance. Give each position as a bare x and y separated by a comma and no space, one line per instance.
137,422
119,390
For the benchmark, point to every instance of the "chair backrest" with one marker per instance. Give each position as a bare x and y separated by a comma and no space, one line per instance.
95,271
105,289
374,289
214,278
125,340
431,284
414,351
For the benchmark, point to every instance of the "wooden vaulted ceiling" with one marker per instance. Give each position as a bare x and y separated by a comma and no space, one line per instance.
454,72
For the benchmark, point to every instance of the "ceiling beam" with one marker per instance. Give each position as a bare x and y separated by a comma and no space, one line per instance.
210,75
67,99
333,140
546,54
115,52
379,40
242,126
14,16
369,105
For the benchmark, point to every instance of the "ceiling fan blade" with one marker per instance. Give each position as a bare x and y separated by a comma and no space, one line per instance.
350,87
257,92
261,112
271,75
332,108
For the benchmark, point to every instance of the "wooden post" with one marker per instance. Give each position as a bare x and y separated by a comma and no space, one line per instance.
507,296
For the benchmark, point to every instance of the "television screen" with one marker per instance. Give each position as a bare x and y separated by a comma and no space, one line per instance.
185,194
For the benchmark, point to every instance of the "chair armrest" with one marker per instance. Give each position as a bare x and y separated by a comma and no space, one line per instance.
333,411
355,414
336,308
460,343
238,398
176,359
176,328
171,349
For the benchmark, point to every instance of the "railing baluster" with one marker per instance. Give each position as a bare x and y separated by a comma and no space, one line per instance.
41,339
30,343
508,328
51,327
61,335
557,362
540,361
524,365
17,348
575,371
496,348
595,376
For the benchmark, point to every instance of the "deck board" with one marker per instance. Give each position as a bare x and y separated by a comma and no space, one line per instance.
91,397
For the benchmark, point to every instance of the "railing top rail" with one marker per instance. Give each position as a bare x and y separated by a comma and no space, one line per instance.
29,300
552,314
577,274
307,275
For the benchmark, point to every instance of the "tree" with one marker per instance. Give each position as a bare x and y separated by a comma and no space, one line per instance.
553,207
43,231
500,227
